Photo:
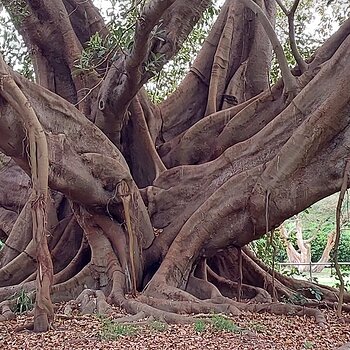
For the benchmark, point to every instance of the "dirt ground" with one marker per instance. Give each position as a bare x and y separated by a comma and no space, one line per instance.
245,332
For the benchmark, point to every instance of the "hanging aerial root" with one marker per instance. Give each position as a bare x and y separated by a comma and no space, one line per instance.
39,165
125,194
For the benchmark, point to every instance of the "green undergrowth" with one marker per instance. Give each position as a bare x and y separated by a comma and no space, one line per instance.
158,326
218,323
112,330
23,302
221,323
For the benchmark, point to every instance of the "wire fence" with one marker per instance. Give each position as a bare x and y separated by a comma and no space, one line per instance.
310,266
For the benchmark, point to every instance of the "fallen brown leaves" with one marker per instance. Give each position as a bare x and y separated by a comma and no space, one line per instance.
253,331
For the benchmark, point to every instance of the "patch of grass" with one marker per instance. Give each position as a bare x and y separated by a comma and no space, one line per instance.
111,330
24,302
308,344
257,327
158,326
221,323
199,326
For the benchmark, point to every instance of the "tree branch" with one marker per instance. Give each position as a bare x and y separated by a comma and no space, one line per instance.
85,19
128,74
49,35
291,32
290,82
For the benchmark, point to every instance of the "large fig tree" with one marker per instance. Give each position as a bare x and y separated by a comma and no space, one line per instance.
108,198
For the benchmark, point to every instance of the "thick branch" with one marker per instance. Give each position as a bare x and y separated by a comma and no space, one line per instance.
128,74
85,19
49,35
290,82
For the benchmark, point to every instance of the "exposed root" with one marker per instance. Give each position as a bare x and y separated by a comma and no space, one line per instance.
19,268
5,310
230,289
287,309
201,288
344,347
89,302
191,307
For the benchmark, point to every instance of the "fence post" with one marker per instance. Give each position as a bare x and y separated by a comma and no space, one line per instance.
310,264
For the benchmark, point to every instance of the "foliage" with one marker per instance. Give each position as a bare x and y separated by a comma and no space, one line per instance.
296,298
316,293
121,26
313,17
314,21
317,220
120,39
258,327
345,274
221,323
199,326
264,250
308,344
158,326
24,302
13,47
111,330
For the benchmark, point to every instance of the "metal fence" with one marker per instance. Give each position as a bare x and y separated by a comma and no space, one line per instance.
310,265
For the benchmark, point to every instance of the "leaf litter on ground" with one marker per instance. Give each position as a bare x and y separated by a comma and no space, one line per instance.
245,332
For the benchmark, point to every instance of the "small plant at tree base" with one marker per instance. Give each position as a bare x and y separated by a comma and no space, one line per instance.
296,298
258,327
158,326
199,326
316,293
24,302
220,323
308,344
111,330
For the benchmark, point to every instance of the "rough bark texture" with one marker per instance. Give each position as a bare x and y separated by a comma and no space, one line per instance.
158,201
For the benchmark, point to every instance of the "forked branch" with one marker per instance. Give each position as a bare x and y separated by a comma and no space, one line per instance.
291,32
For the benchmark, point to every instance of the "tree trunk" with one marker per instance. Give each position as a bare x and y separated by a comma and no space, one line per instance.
151,197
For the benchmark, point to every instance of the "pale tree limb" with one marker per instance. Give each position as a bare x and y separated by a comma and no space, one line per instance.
343,189
39,164
291,32
290,82
304,256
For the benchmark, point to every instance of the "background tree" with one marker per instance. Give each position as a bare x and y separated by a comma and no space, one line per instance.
159,200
